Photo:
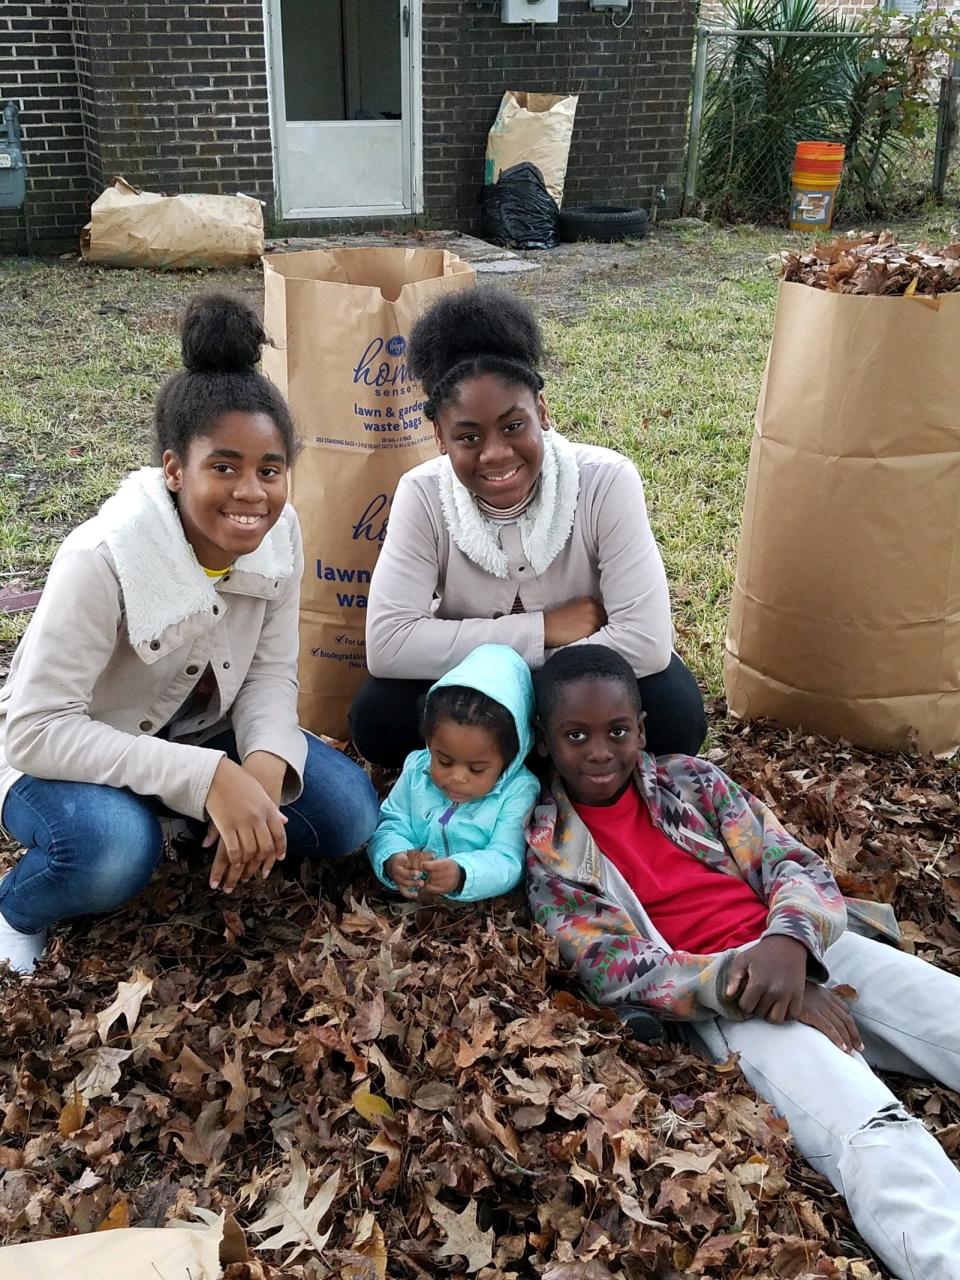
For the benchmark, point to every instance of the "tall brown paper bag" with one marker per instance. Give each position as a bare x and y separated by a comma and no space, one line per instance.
532,126
845,618
340,320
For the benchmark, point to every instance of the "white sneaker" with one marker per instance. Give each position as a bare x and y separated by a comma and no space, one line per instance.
20,951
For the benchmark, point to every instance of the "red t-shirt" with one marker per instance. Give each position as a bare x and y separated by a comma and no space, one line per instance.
695,907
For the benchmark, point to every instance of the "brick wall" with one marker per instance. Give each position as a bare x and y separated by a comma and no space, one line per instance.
631,118
38,71
180,95
173,96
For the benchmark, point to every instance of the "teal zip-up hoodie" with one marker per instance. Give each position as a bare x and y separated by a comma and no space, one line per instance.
484,836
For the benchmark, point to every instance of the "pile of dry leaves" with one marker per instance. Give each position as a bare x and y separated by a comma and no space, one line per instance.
379,1089
876,264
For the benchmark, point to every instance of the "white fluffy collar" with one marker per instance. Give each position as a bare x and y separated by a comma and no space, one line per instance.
160,577
544,526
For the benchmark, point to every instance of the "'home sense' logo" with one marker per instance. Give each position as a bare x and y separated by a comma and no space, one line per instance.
371,527
383,367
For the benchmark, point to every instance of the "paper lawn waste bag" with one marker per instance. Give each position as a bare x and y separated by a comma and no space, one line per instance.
340,319
534,127
131,228
845,617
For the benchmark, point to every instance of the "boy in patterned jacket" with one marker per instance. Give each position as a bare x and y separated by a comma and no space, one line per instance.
671,889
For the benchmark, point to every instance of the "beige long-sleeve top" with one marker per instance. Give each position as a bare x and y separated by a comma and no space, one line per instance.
429,605
126,627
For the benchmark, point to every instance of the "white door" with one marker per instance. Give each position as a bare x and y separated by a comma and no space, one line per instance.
345,106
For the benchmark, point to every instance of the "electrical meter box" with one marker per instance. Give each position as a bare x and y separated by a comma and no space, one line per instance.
13,176
530,11
609,6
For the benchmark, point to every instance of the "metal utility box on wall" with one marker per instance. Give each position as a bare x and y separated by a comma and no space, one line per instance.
13,184
530,11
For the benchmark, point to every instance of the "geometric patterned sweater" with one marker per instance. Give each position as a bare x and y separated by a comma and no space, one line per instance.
606,936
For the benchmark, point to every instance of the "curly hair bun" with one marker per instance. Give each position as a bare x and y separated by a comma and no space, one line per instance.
470,324
220,334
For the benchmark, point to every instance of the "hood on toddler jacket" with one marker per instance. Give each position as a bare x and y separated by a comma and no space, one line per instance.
484,836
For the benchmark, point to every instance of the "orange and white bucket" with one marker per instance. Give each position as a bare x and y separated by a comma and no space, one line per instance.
817,170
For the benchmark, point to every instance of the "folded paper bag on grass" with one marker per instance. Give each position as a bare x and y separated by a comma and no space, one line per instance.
131,228
845,617
181,1251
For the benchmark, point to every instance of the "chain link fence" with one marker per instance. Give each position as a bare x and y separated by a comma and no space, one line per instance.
757,93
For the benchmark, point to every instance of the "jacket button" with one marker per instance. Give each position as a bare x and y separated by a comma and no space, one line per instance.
154,645
192,669
226,666
216,610
146,725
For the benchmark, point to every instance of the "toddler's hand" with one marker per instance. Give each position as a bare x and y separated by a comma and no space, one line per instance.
405,870
444,876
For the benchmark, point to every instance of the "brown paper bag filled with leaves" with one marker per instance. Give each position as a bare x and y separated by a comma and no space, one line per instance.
536,127
131,228
845,618
340,320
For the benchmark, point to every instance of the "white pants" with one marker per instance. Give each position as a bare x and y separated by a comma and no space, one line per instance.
902,1190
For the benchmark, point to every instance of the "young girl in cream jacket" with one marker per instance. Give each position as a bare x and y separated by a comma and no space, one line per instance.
159,673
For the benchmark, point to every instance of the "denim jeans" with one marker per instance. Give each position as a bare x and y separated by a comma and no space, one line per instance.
901,1188
90,848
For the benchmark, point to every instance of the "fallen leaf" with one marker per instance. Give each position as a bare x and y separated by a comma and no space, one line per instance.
293,1219
101,1073
370,1105
126,1005
464,1238
117,1218
72,1116
369,1252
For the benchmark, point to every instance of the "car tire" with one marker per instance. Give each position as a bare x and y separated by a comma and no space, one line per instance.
603,222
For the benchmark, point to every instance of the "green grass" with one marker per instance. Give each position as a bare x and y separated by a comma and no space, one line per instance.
656,349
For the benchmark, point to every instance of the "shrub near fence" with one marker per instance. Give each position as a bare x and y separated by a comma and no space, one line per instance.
786,71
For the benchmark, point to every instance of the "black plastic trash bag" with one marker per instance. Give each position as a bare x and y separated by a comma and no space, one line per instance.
518,211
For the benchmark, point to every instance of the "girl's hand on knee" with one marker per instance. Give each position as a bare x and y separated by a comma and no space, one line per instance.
827,1012
767,980
247,823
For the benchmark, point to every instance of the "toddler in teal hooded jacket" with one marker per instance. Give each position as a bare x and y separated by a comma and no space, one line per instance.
453,824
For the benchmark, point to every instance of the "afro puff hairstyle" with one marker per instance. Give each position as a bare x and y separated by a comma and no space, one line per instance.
472,332
581,662
220,339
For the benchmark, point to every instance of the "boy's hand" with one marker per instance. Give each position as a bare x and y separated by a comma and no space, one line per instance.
824,1010
767,981
404,869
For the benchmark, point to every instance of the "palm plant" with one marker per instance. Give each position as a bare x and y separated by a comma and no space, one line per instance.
765,94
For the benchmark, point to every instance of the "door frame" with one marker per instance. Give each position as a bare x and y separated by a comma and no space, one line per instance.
411,72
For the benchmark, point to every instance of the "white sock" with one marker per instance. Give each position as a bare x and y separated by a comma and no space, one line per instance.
20,951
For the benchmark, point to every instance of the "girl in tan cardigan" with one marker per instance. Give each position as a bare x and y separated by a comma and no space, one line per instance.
514,536
159,672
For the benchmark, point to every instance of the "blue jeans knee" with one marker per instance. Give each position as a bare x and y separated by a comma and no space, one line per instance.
338,809
88,848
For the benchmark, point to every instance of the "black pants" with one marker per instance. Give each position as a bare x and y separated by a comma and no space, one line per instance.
385,716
